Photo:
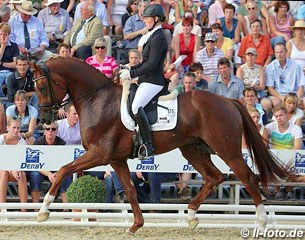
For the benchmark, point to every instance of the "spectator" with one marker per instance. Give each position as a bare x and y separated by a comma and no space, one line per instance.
195,30
86,29
197,68
134,57
202,14
22,79
301,13
100,12
63,50
283,76
106,64
226,84
186,43
223,43
182,6
284,135
296,45
115,11
280,23
37,177
189,83
29,34
216,11
252,74
69,5
8,52
114,188
131,9
13,6
5,13
258,41
56,22
12,137
209,56
135,28
27,114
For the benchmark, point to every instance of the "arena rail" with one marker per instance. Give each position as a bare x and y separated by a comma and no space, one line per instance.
170,215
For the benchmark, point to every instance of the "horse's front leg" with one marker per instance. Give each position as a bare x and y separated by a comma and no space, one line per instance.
89,160
122,170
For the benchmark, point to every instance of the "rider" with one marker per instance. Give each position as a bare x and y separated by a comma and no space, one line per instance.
150,72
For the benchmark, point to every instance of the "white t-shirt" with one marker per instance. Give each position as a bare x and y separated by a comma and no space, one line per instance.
283,140
21,141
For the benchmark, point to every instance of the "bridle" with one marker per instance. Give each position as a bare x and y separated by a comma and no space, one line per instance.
55,106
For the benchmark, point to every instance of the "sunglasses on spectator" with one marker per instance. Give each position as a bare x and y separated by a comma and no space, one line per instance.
253,8
49,128
209,41
99,47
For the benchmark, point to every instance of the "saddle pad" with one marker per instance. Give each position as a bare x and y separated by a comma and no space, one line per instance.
166,119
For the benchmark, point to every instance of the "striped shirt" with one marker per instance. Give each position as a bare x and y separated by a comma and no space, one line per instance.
106,67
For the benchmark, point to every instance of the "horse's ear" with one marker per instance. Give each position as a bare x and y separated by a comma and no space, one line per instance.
32,65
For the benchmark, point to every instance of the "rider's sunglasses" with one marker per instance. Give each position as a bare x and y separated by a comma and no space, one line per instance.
48,129
100,47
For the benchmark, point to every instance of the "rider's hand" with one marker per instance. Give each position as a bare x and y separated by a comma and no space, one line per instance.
125,74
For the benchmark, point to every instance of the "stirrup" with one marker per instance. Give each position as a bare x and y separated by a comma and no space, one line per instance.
142,149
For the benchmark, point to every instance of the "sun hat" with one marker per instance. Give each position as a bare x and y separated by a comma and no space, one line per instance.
49,2
299,24
251,50
27,8
16,1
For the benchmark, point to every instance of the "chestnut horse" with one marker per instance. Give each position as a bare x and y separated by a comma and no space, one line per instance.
207,123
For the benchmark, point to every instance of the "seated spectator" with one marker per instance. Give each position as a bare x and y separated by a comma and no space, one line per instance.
197,68
209,56
85,30
252,15
280,23
63,50
284,135
106,64
29,34
186,43
223,43
252,74
216,11
250,97
182,6
13,5
226,84
22,79
283,76
196,29
27,114
8,52
189,83
296,45
5,13
131,9
202,14
12,137
56,22
258,41
134,57
37,177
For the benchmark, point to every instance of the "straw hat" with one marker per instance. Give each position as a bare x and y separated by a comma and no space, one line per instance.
27,8
16,1
299,24
49,2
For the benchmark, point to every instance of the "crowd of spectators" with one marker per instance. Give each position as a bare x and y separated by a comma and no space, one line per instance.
253,51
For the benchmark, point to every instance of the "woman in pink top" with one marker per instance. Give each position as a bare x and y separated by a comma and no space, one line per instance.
106,64
280,23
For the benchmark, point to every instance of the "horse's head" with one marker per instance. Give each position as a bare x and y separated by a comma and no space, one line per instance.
50,91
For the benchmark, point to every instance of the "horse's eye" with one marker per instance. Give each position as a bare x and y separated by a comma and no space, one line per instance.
42,90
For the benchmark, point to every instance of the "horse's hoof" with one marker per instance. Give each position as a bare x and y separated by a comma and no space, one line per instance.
193,223
43,216
129,233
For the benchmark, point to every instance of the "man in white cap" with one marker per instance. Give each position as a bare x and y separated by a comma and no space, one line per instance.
29,34
56,22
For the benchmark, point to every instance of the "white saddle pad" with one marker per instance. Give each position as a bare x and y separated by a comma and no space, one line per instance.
167,114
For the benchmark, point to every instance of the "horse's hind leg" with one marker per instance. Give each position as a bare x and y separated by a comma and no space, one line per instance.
122,171
201,161
89,160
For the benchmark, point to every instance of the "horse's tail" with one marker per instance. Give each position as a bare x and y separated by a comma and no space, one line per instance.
267,164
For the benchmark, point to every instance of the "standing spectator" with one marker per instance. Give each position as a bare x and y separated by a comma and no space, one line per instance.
216,11
296,45
283,76
135,28
209,56
284,135
280,23
22,79
37,177
226,84
8,52
29,34
182,6
115,11
56,22
186,43
106,64
86,29
223,43
258,41
12,137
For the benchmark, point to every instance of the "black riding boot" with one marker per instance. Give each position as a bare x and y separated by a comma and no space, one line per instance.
147,150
